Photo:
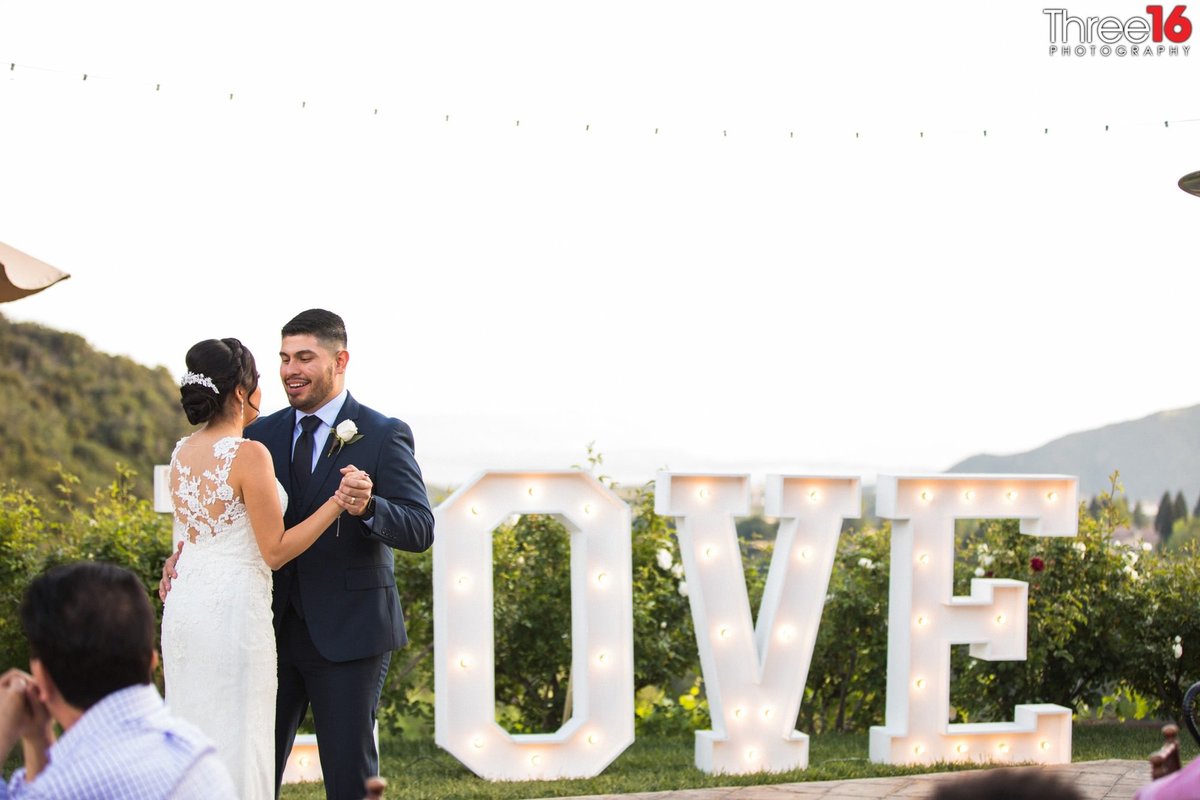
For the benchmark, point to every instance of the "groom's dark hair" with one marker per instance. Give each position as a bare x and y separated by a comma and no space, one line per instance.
325,325
91,626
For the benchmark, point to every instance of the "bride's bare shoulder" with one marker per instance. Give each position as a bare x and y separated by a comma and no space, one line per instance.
253,456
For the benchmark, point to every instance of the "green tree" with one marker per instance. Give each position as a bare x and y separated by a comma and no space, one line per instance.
1164,520
1185,533
65,405
1139,515
1179,509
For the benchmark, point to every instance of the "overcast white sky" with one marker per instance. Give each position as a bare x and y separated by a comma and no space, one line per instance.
751,288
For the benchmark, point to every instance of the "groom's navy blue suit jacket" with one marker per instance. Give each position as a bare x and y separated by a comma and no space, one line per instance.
346,581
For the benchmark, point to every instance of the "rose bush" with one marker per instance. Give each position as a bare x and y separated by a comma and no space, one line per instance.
1106,620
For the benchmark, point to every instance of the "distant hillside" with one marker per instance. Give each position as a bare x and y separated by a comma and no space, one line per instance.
63,402
1157,453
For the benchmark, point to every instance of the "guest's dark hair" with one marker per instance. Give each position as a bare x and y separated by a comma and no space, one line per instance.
1006,784
327,326
227,364
91,626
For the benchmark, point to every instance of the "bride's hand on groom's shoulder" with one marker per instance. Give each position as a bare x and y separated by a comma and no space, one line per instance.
168,573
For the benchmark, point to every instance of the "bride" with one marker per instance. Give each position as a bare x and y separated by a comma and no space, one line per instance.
218,642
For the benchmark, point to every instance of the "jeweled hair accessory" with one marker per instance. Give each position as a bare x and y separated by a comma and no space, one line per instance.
200,379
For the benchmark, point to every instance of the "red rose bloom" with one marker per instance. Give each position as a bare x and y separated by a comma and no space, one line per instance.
1036,564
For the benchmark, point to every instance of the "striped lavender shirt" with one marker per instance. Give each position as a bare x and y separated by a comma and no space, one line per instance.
128,746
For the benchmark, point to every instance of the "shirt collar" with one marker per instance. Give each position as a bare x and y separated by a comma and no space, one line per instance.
132,702
327,413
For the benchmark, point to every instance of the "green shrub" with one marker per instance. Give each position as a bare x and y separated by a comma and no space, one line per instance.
1112,628
112,525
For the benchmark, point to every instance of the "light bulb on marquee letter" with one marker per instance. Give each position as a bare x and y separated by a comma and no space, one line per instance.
601,726
993,619
761,676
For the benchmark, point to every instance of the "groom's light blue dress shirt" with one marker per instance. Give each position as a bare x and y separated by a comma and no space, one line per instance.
128,747
328,415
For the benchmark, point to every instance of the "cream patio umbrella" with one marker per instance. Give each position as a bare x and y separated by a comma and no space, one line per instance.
22,275
1190,183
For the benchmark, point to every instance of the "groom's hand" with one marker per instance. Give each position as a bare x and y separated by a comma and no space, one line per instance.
164,586
354,492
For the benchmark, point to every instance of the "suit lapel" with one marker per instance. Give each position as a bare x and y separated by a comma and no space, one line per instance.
325,463
279,444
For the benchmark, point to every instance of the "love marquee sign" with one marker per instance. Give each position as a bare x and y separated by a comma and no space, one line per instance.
754,674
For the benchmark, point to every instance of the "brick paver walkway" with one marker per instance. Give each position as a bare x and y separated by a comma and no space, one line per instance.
1097,780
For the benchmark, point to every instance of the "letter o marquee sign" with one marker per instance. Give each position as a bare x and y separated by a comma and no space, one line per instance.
601,725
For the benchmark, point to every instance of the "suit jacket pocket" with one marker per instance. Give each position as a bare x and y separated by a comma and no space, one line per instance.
376,577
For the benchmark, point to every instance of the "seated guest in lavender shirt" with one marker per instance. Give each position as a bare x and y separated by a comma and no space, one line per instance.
91,640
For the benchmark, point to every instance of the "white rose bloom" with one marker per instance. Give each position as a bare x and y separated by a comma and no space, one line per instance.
664,559
986,561
1177,648
866,563
1081,547
677,570
979,573
1147,547
346,430
683,588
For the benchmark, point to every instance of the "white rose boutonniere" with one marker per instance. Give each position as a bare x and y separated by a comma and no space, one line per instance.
345,433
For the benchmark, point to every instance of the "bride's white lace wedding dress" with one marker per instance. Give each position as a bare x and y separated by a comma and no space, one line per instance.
218,642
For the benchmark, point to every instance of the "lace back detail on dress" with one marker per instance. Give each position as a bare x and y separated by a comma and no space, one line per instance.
204,502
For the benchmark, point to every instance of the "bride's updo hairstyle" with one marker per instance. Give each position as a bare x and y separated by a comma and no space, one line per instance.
215,369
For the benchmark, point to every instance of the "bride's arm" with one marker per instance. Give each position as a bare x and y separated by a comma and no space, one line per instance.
254,475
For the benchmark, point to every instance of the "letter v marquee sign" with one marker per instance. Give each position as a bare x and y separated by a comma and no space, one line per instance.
754,675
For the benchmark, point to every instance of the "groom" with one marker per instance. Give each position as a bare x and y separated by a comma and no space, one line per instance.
337,614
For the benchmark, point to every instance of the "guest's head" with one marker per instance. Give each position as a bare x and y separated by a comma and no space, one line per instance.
221,382
313,358
91,633
1006,784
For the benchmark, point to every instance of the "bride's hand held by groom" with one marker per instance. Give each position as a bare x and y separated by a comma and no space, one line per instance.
354,492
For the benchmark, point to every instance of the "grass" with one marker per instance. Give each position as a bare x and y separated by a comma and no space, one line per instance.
422,771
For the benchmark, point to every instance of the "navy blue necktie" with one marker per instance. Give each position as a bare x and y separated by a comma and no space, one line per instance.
302,456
